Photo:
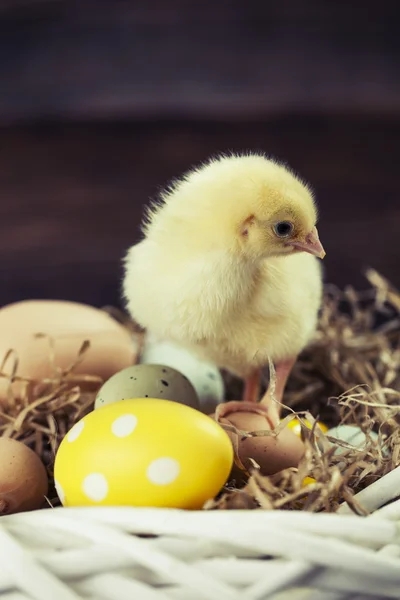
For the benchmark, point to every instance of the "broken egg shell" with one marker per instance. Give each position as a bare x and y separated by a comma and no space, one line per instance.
23,478
272,453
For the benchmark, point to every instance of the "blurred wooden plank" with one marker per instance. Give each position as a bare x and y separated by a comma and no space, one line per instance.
69,59
72,196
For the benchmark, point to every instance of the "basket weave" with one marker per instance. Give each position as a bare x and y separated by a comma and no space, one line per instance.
154,554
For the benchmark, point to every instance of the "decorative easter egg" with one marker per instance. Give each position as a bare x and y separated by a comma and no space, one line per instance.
143,452
69,324
23,478
296,427
307,482
351,434
203,375
148,381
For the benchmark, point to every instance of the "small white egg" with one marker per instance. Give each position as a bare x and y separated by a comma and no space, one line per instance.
351,434
203,375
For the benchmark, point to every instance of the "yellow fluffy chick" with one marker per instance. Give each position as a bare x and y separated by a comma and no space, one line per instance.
228,268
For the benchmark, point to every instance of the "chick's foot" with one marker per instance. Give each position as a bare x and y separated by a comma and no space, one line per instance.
235,406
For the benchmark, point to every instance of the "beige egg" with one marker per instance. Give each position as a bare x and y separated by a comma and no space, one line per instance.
271,453
23,478
148,381
69,324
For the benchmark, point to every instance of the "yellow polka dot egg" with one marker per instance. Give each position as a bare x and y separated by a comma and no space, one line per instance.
143,452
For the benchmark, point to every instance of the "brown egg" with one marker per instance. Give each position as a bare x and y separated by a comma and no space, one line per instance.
271,453
69,324
23,478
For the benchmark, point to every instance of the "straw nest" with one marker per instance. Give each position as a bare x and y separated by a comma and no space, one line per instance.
349,374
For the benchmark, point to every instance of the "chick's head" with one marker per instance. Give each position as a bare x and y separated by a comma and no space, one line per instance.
279,213
248,204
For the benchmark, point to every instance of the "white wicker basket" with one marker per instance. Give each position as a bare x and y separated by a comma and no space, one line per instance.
110,554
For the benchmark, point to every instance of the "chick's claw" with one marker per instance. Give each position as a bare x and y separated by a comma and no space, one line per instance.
235,406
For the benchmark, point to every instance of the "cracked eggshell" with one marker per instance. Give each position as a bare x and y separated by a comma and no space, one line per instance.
148,381
203,375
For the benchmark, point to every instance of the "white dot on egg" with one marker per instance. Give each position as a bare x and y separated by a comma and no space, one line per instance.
124,425
163,471
95,487
75,431
60,491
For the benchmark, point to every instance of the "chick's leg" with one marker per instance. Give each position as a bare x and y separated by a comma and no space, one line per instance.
272,398
267,404
250,400
252,386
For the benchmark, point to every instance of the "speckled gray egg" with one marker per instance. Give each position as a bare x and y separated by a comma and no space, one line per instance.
148,381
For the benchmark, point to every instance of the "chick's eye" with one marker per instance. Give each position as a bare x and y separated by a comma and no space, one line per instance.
283,229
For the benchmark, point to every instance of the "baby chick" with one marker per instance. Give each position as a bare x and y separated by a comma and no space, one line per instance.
228,268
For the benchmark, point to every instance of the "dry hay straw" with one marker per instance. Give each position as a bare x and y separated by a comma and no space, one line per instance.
42,412
349,374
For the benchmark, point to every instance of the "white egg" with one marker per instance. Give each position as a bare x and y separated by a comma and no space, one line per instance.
203,375
351,434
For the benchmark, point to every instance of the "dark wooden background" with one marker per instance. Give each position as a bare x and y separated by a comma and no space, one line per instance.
102,102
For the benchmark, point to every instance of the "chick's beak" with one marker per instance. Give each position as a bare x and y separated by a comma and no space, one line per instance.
311,244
